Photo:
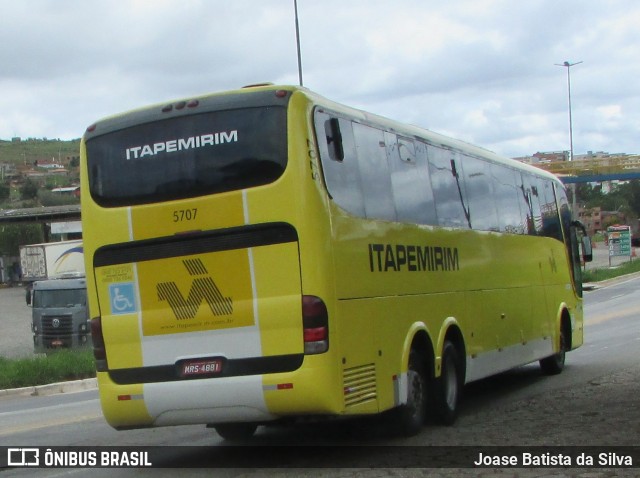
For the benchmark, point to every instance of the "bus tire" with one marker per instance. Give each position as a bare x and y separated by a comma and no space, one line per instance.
236,431
448,387
554,364
409,418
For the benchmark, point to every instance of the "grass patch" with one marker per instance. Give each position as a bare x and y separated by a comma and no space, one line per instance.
597,275
43,369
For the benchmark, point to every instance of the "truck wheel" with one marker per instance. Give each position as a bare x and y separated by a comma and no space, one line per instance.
448,389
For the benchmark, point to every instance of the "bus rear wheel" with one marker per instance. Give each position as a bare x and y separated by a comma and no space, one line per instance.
448,387
408,419
235,431
555,364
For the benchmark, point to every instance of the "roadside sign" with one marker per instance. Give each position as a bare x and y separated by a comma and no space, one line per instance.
619,241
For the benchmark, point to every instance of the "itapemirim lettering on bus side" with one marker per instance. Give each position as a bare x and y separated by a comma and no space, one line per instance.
413,258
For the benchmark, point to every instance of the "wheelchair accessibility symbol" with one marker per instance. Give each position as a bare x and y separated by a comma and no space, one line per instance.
122,298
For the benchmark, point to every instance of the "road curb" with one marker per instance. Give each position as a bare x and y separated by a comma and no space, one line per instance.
52,388
588,286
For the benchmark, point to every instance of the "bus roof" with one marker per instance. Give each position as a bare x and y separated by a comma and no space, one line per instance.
430,136
262,94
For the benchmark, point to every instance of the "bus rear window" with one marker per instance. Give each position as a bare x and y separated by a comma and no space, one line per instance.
188,156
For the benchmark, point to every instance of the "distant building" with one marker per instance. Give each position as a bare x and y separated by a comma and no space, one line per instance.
592,219
541,158
552,156
8,171
68,191
49,165
596,220
598,155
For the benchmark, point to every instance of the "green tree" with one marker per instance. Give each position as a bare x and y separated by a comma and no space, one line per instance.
29,189
12,236
588,195
48,198
5,192
632,192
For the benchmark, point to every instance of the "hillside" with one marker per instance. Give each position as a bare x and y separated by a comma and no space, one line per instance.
31,168
26,151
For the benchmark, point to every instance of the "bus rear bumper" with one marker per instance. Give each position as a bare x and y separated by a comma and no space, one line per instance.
254,398
233,399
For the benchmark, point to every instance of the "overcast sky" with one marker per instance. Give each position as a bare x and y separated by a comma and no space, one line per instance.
479,70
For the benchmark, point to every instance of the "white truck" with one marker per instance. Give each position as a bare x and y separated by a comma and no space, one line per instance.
57,293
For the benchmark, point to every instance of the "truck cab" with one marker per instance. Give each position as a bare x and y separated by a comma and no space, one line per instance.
60,317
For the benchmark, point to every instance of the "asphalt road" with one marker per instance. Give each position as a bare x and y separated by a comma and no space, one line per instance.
15,324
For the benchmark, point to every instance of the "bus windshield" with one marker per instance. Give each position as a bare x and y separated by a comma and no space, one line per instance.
188,156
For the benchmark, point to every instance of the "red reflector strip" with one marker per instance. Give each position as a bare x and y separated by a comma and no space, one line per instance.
315,335
280,386
125,398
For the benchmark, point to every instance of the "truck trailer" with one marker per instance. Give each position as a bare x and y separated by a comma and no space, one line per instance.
51,260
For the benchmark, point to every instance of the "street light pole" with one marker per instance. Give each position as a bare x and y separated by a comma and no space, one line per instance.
295,7
568,66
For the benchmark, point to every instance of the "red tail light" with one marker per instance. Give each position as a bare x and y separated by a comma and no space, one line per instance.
99,350
315,322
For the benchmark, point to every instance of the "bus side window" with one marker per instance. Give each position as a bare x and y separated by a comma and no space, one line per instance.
525,223
334,139
506,190
532,200
565,210
480,191
341,176
374,172
412,193
448,188
550,218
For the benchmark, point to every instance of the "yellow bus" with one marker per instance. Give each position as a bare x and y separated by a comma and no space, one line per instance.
267,254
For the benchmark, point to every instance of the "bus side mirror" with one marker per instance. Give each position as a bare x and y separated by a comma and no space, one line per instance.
587,250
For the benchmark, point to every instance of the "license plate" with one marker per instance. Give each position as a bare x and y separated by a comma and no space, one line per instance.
57,343
200,367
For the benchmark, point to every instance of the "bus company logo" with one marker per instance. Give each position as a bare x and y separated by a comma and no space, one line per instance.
203,288
180,144
23,457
